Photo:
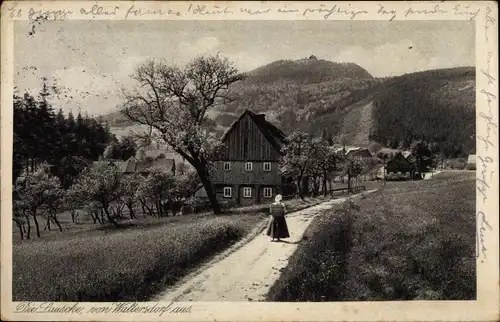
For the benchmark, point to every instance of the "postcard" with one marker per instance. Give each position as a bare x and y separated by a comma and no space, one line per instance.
249,161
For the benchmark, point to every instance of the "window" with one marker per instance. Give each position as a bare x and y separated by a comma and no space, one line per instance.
267,166
248,166
227,166
227,192
268,192
247,192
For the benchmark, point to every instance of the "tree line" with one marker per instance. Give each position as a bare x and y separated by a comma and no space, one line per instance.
42,135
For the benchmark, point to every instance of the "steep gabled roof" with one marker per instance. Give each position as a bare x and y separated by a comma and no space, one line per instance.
274,135
400,162
406,154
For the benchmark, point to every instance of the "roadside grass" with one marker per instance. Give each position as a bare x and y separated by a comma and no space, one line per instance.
407,241
89,262
121,265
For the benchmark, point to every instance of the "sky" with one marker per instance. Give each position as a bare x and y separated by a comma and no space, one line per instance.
89,60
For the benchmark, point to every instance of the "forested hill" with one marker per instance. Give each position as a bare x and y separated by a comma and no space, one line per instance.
305,71
437,106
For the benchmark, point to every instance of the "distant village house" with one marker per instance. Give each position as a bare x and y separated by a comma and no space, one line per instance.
471,162
359,153
400,164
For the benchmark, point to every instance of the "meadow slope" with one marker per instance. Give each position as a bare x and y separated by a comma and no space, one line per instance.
407,241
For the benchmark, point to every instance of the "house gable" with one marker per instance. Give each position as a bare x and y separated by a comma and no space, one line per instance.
252,138
399,164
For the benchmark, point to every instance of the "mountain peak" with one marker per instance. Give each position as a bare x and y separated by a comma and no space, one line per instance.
307,70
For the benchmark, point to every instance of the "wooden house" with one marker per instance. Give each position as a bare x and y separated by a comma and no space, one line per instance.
248,173
400,164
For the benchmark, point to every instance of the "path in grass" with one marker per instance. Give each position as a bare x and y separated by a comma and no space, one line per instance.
430,175
248,273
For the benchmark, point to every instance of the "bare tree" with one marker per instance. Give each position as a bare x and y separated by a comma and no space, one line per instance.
100,185
174,102
33,190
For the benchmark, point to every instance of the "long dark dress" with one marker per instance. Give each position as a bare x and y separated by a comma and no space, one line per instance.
277,226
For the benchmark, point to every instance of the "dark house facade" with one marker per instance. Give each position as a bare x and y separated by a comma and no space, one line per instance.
248,173
400,164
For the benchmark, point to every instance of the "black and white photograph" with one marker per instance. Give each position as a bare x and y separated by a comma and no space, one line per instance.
232,160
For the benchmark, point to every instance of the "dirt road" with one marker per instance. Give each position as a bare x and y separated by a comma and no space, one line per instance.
248,273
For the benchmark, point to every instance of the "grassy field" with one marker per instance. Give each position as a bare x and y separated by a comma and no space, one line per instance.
409,240
128,265
92,262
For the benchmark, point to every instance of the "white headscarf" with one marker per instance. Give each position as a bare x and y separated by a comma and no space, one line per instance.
278,201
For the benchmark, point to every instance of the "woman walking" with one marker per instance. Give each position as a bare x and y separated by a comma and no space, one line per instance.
277,226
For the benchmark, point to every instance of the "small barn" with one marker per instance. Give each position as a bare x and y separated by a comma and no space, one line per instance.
471,162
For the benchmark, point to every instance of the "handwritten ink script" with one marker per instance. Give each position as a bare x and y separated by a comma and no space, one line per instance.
137,11
464,11
113,308
482,226
383,11
54,15
488,123
323,11
97,10
204,10
327,12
